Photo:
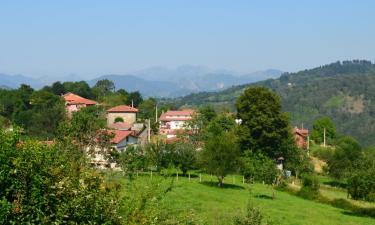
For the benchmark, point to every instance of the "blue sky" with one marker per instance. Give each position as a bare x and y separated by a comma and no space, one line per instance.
90,38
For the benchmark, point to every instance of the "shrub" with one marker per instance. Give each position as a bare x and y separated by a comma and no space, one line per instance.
310,187
119,119
42,184
253,216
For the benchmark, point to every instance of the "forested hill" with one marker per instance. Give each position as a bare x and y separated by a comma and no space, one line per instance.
344,91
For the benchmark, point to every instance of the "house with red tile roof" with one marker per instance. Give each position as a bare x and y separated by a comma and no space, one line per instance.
122,113
123,138
173,122
75,102
300,136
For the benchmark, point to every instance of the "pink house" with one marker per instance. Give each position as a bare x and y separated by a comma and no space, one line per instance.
75,102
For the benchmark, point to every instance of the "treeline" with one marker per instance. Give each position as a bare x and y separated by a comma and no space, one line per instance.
39,112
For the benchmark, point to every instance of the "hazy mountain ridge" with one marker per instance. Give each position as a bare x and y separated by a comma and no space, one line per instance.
159,81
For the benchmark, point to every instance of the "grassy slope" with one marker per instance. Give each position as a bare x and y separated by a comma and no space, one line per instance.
218,205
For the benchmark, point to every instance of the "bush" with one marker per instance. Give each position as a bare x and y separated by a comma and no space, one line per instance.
253,216
42,184
260,168
119,119
310,187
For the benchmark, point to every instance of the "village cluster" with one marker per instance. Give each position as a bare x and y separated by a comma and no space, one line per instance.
127,131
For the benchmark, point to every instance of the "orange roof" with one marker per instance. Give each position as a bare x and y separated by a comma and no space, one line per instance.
73,99
122,108
180,115
121,135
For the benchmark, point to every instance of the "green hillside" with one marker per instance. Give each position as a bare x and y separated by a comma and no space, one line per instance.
343,91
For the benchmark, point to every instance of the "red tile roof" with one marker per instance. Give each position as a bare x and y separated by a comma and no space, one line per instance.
181,115
122,108
121,135
73,99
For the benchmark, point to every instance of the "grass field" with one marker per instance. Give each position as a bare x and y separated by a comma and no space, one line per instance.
215,205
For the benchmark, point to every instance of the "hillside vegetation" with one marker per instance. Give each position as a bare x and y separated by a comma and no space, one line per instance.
343,91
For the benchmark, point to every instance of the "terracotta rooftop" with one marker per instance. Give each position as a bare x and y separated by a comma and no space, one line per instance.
73,99
180,115
121,135
122,108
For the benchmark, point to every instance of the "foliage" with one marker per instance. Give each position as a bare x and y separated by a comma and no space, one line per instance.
42,184
305,93
361,183
253,216
310,186
135,98
42,116
259,168
346,158
132,160
318,130
119,119
103,87
264,128
86,129
184,156
323,153
220,155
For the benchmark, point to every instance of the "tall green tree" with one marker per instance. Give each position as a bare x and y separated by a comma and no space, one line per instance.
321,124
264,128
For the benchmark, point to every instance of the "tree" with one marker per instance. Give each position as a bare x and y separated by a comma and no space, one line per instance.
113,99
319,125
58,88
346,158
220,155
80,88
135,98
184,156
147,109
259,168
361,182
42,119
86,130
132,160
103,87
264,128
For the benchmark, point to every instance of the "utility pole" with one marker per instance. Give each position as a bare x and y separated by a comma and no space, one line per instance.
149,132
308,144
324,137
156,113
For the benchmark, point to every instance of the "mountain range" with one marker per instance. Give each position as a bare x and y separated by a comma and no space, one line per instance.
157,81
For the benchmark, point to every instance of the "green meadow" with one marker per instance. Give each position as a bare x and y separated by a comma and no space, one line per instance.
214,205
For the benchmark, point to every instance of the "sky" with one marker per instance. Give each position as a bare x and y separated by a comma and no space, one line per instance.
95,37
